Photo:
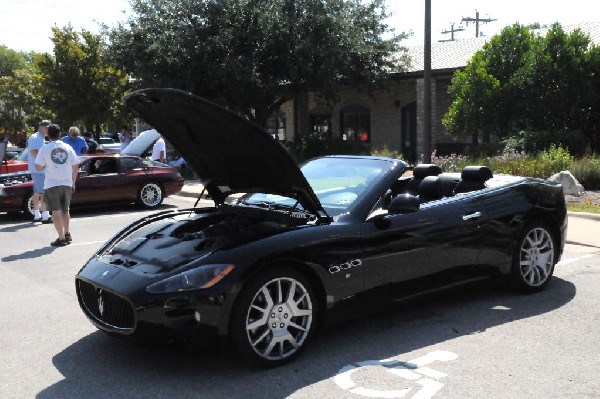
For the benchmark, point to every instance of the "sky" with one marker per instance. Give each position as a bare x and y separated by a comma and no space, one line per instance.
26,24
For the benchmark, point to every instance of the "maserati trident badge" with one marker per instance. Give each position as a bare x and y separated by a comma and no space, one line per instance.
100,303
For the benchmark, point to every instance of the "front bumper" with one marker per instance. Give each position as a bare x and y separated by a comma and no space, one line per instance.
115,300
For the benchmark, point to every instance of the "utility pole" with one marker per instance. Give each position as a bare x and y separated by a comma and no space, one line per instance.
451,31
477,21
427,85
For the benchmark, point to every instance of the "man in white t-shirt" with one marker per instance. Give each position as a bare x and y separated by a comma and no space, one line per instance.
34,143
159,150
60,163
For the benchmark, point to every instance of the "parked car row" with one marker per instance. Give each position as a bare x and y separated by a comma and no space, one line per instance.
103,178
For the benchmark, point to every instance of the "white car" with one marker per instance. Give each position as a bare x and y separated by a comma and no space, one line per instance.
109,145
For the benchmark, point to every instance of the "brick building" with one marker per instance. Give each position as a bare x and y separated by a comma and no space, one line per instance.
392,118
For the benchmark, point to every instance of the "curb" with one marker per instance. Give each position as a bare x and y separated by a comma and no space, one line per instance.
584,215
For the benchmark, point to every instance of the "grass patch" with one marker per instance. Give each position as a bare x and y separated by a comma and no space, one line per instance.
588,208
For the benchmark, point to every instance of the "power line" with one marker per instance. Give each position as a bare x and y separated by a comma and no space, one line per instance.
477,21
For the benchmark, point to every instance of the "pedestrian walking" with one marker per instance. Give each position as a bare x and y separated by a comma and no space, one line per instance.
60,162
34,143
76,141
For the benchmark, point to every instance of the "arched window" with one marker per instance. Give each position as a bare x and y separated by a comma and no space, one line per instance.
320,121
355,123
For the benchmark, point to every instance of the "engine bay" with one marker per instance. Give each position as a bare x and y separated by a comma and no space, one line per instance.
187,236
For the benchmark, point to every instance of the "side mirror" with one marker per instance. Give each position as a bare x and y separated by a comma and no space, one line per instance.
403,203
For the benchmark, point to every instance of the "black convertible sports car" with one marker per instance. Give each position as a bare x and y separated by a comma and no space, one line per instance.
268,267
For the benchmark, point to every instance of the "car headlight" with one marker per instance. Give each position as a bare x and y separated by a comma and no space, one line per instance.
202,277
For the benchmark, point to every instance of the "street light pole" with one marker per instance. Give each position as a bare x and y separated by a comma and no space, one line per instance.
427,86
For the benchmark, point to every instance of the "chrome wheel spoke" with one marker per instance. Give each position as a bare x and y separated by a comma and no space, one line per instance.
294,325
260,338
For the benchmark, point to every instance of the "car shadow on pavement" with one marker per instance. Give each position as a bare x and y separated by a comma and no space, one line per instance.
100,366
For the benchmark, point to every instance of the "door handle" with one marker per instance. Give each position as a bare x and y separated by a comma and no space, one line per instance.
472,216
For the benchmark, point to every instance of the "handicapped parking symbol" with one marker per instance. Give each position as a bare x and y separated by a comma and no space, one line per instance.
425,378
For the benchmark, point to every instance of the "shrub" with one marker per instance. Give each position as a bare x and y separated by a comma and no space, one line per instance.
311,147
387,153
450,163
552,161
533,142
587,172
544,165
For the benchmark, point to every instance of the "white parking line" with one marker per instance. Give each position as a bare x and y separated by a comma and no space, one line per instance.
573,260
86,243
138,215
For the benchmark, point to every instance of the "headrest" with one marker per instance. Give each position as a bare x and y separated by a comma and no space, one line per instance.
431,188
476,173
426,169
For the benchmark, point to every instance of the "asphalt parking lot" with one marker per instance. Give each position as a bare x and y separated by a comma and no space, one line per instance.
478,341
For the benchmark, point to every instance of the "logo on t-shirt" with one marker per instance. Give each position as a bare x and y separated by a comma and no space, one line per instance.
59,156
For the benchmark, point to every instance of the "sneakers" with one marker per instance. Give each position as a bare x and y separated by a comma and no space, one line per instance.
68,237
37,219
46,221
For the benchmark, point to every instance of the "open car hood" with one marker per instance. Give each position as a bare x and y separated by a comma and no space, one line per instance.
228,153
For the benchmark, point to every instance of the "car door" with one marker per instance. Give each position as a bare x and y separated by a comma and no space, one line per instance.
440,239
133,172
506,207
98,181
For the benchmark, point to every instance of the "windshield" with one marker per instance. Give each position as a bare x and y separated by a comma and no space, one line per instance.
337,182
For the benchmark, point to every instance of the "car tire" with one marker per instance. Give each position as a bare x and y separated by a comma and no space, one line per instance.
274,318
150,195
536,254
28,205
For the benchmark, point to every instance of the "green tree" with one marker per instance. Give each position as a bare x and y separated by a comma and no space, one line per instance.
11,60
80,85
555,78
520,80
22,101
20,97
488,88
591,114
253,55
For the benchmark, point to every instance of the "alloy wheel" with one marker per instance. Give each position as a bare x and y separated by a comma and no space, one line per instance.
537,257
279,318
151,195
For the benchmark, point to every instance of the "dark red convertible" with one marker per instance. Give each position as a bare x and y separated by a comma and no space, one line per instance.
103,178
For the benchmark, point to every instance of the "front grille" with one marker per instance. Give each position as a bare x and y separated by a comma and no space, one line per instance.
106,308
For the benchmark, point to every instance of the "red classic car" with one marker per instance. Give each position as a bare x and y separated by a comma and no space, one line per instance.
17,164
103,178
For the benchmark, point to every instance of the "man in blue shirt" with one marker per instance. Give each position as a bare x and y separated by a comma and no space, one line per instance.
76,141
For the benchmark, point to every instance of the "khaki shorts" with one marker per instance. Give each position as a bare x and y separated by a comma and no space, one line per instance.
58,198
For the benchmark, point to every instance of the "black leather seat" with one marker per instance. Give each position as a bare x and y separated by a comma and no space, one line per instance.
473,178
449,182
431,189
420,172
